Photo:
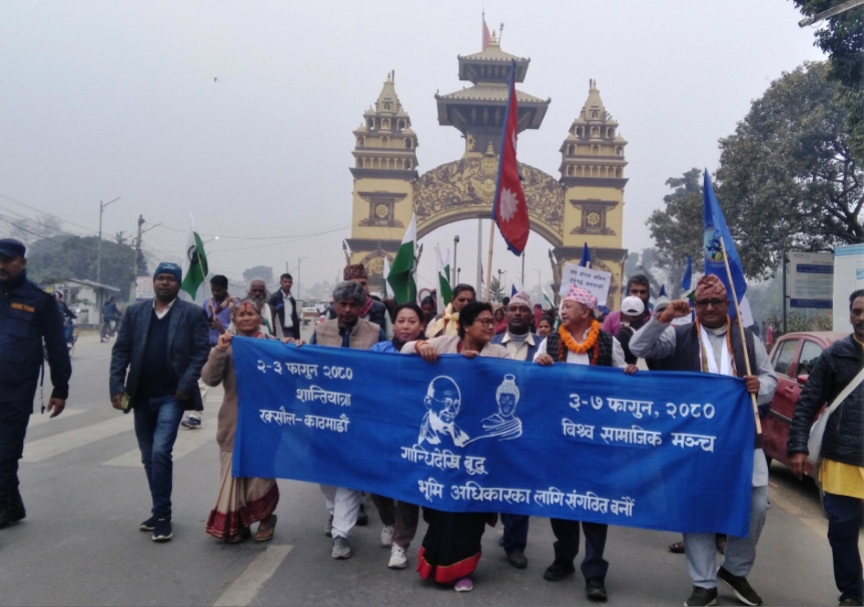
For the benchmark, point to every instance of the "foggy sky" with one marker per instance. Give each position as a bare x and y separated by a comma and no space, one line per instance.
100,99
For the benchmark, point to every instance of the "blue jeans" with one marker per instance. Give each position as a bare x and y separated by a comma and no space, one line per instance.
156,423
844,516
515,532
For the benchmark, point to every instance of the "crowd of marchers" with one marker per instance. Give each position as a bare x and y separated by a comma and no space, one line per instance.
169,351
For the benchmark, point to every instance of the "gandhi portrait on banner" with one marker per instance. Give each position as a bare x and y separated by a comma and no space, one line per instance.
442,402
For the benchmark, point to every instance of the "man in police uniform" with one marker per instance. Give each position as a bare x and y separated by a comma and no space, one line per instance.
27,315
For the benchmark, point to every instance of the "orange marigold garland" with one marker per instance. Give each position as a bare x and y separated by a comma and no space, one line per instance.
590,343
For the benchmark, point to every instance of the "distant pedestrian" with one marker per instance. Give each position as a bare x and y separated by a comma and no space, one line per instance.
28,316
285,306
155,365
841,471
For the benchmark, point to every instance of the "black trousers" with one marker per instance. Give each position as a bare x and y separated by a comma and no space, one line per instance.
14,418
567,545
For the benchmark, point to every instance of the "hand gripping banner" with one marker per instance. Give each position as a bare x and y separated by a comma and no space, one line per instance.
659,450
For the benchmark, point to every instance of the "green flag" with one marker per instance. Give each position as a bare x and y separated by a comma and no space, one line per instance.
445,293
195,270
401,276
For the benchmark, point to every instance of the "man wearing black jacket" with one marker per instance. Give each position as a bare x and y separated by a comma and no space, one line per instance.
286,307
27,316
841,471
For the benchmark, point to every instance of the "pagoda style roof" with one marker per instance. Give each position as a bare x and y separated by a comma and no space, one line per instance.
486,91
491,65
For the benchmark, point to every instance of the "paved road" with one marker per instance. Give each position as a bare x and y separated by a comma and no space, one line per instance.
85,493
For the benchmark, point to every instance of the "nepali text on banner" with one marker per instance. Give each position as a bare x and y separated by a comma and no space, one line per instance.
658,450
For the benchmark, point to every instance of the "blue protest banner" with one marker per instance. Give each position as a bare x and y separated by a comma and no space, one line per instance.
658,450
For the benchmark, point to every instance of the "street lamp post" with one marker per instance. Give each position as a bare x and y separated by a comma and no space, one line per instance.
99,291
455,246
102,206
299,259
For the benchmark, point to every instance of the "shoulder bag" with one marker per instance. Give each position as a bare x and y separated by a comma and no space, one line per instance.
817,431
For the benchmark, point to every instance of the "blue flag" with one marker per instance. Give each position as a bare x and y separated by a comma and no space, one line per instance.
513,290
585,262
662,291
687,281
715,232
489,435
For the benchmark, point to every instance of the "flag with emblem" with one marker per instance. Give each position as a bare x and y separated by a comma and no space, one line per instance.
194,266
510,210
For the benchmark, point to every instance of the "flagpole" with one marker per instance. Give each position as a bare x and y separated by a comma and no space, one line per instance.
743,335
489,265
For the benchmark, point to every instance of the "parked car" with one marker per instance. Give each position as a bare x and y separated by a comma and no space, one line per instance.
793,357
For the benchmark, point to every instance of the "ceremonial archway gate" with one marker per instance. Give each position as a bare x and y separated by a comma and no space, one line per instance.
585,204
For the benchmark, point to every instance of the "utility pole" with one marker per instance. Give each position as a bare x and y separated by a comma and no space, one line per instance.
135,261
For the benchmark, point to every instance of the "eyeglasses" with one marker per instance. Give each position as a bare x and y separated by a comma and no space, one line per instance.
703,303
486,322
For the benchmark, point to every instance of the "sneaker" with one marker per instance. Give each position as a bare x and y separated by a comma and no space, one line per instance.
341,548
559,569
739,585
386,535
849,601
328,527
702,596
148,525
162,530
398,558
191,423
464,585
362,517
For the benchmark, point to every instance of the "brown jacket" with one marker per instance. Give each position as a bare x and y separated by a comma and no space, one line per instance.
364,335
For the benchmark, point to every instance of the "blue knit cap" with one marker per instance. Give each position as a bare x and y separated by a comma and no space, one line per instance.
166,267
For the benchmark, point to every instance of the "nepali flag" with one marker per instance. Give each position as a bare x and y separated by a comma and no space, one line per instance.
510,211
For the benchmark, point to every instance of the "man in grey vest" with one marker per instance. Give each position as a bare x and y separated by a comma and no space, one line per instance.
347,330
713,344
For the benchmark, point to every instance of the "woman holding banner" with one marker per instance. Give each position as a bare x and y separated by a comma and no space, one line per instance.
399,518
451,547
241,501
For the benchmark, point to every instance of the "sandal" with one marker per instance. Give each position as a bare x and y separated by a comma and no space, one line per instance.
241,535
266,529
677,548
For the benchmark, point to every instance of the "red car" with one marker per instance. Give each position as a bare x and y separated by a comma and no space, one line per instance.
793,356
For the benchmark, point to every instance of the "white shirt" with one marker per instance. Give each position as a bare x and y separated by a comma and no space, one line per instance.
289,310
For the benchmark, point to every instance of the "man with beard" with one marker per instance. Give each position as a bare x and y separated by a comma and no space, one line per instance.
522,345
841,472
257,294
347,330
372,309
163,344
27,316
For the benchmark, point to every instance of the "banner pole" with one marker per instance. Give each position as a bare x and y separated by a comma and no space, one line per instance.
741,327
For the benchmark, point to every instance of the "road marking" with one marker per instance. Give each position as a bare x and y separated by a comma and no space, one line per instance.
246,587
36,420
52,446
187,441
